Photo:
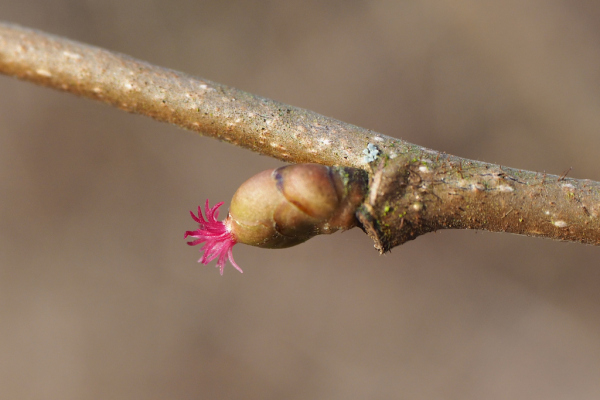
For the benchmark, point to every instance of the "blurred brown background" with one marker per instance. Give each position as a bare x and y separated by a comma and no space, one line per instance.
100,298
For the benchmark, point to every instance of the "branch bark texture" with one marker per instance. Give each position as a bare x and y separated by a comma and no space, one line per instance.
413,190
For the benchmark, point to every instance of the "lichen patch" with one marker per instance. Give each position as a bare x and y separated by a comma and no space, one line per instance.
371,153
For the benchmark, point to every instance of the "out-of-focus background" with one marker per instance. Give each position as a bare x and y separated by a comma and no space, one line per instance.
100,297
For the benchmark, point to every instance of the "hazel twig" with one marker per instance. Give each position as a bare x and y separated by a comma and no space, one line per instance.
412,190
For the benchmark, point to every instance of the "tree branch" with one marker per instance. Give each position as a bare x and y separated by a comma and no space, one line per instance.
288,133
413,190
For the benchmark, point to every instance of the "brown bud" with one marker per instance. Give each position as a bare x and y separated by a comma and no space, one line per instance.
289,205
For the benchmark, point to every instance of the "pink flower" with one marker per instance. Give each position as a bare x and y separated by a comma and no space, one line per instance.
219,241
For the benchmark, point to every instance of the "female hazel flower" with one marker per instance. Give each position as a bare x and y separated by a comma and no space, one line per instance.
281,208
217,239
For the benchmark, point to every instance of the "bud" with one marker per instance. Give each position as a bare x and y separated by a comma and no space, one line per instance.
282,208
289,205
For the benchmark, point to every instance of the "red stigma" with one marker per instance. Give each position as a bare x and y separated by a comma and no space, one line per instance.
218,241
